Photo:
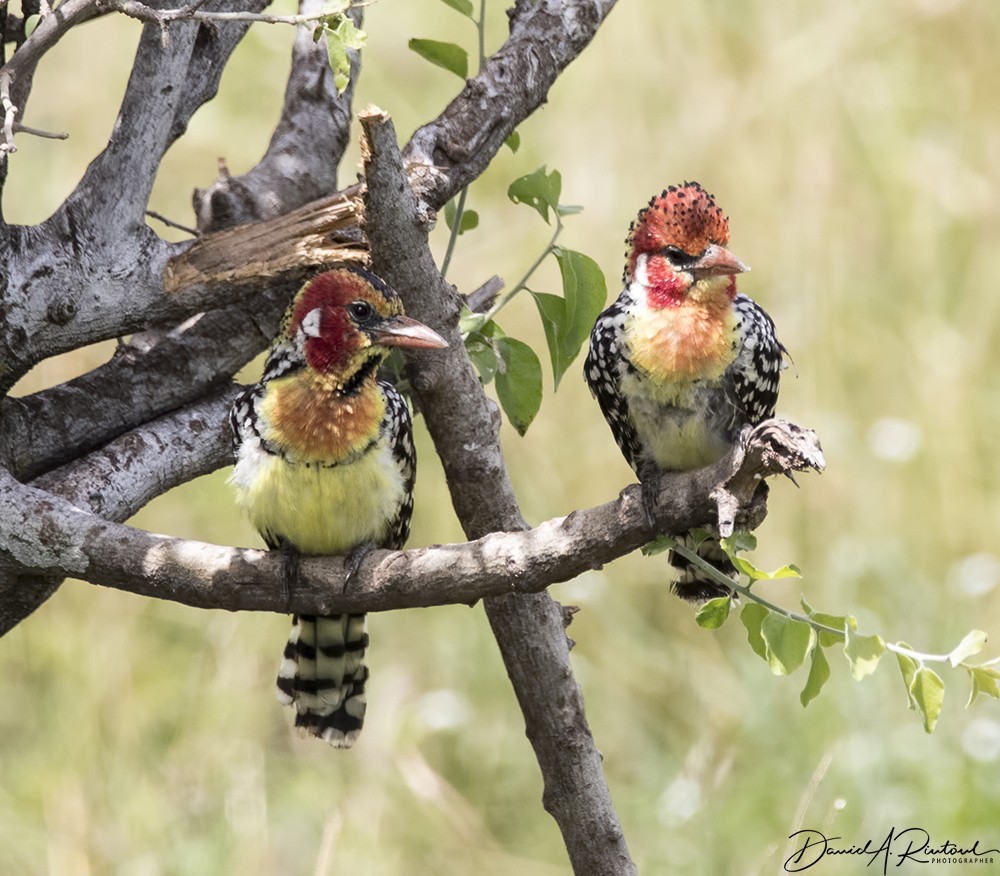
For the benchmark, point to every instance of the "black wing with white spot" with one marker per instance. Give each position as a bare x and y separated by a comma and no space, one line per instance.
243,416
398,431
753,376
603,370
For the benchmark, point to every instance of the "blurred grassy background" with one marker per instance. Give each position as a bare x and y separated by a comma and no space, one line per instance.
856,147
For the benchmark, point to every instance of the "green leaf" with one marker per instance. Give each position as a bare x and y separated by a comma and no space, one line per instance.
569,209
696,537
971,644
788,642
552,310
862,652
540,190
341,35
483,356
513,142
742,564
789,571
447,55
752,616
470,218
463,6
739,542
519,382
819,674
658,545
837,621
984,681
585,292
714,613
908,669
927,692
30,23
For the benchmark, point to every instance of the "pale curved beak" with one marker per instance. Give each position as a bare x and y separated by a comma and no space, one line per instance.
716,261
401,331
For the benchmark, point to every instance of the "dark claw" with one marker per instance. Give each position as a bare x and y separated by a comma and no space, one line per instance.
649,478
650,504
290,571
354,558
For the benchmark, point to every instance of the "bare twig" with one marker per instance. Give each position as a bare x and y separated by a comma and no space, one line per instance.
159,217
16,74
9,115
194,12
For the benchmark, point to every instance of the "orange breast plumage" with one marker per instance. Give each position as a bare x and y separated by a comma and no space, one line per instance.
692,341
314,424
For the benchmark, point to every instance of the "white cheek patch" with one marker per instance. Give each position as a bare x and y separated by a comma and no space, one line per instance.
311,323
641,274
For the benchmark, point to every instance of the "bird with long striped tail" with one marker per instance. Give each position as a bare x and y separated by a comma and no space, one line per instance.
325,464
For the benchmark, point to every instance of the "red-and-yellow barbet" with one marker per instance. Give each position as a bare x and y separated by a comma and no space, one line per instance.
325,465
681,362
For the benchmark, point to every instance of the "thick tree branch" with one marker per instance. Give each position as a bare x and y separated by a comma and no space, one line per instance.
443,157
151,374
123,476
44,534
302,158
465,428
119,479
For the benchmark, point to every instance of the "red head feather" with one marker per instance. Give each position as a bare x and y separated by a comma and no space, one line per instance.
330,294
684,216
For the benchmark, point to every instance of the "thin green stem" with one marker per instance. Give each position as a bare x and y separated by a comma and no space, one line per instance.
455,231
726,581
917,655
481,27
460,205
521,284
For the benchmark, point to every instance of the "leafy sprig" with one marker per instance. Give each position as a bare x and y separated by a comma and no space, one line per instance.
451,56
785,639
566,319
341,34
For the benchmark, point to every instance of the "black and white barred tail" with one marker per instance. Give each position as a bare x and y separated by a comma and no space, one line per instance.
323,675
695,584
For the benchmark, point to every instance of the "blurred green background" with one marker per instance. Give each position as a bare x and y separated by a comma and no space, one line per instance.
856,147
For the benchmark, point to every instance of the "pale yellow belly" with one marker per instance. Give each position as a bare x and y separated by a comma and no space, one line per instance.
673,422
320,510
681,444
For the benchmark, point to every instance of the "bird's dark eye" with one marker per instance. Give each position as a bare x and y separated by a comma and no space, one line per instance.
361,310
677,257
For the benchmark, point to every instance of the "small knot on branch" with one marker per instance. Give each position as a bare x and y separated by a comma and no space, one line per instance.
773,447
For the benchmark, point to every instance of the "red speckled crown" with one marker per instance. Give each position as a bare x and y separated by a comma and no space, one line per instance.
684,216
336,289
